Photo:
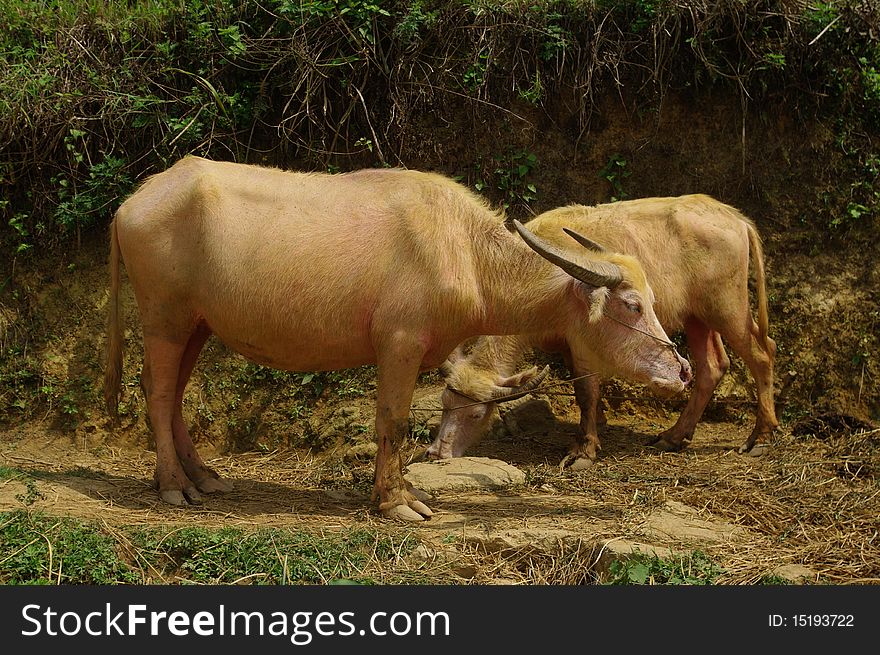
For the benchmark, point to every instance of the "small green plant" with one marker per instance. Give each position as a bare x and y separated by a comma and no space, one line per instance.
364,142
615,171
414,21
421,432
509,174
18,223
694,568
475,75
556,38
775,59
822,15
32,494
512,177
232,38
535,92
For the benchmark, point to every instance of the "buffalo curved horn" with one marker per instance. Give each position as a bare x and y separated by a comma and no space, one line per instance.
445,369
589,244
503,394
603,274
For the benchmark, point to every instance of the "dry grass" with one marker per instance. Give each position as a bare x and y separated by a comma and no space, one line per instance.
813,501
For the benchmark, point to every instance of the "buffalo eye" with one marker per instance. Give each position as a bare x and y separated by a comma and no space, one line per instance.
634,307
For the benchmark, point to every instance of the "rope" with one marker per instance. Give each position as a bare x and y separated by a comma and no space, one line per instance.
665,342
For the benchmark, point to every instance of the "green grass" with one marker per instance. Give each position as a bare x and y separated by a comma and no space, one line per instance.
39,549
8,473
267,556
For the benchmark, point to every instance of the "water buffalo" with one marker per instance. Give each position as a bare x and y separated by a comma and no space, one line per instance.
307,272
695,252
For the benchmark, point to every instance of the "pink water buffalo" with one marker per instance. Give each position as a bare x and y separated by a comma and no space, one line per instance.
307,272
696,253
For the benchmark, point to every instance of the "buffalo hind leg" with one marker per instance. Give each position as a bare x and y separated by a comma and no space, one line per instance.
710,362
206,479
759,358
159,380
399,362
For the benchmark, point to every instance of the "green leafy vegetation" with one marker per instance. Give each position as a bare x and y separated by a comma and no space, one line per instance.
507,177
40,549
264,556
694,568
615,172
95,95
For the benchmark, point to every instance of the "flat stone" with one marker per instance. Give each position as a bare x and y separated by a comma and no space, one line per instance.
363,450
544,541
463,473
679,523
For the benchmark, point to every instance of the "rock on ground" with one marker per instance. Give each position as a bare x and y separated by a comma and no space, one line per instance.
463,473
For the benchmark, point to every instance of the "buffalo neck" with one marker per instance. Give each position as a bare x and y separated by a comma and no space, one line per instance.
522,293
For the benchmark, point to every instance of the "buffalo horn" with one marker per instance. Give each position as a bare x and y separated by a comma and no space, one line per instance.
445,369
501,394
589,244
603,274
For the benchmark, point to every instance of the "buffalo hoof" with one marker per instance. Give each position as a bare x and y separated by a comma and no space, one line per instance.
192,495
214,485
406,506
661,443
406,513
173,497
757,450
179,497
576,462
422,496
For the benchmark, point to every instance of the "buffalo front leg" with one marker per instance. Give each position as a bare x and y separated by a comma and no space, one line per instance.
399,364
585,450
160,387
710,362
206,479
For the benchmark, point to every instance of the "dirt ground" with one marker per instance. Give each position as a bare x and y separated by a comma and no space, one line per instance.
811,503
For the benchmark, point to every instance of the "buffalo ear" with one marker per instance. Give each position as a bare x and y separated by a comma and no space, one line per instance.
593,298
